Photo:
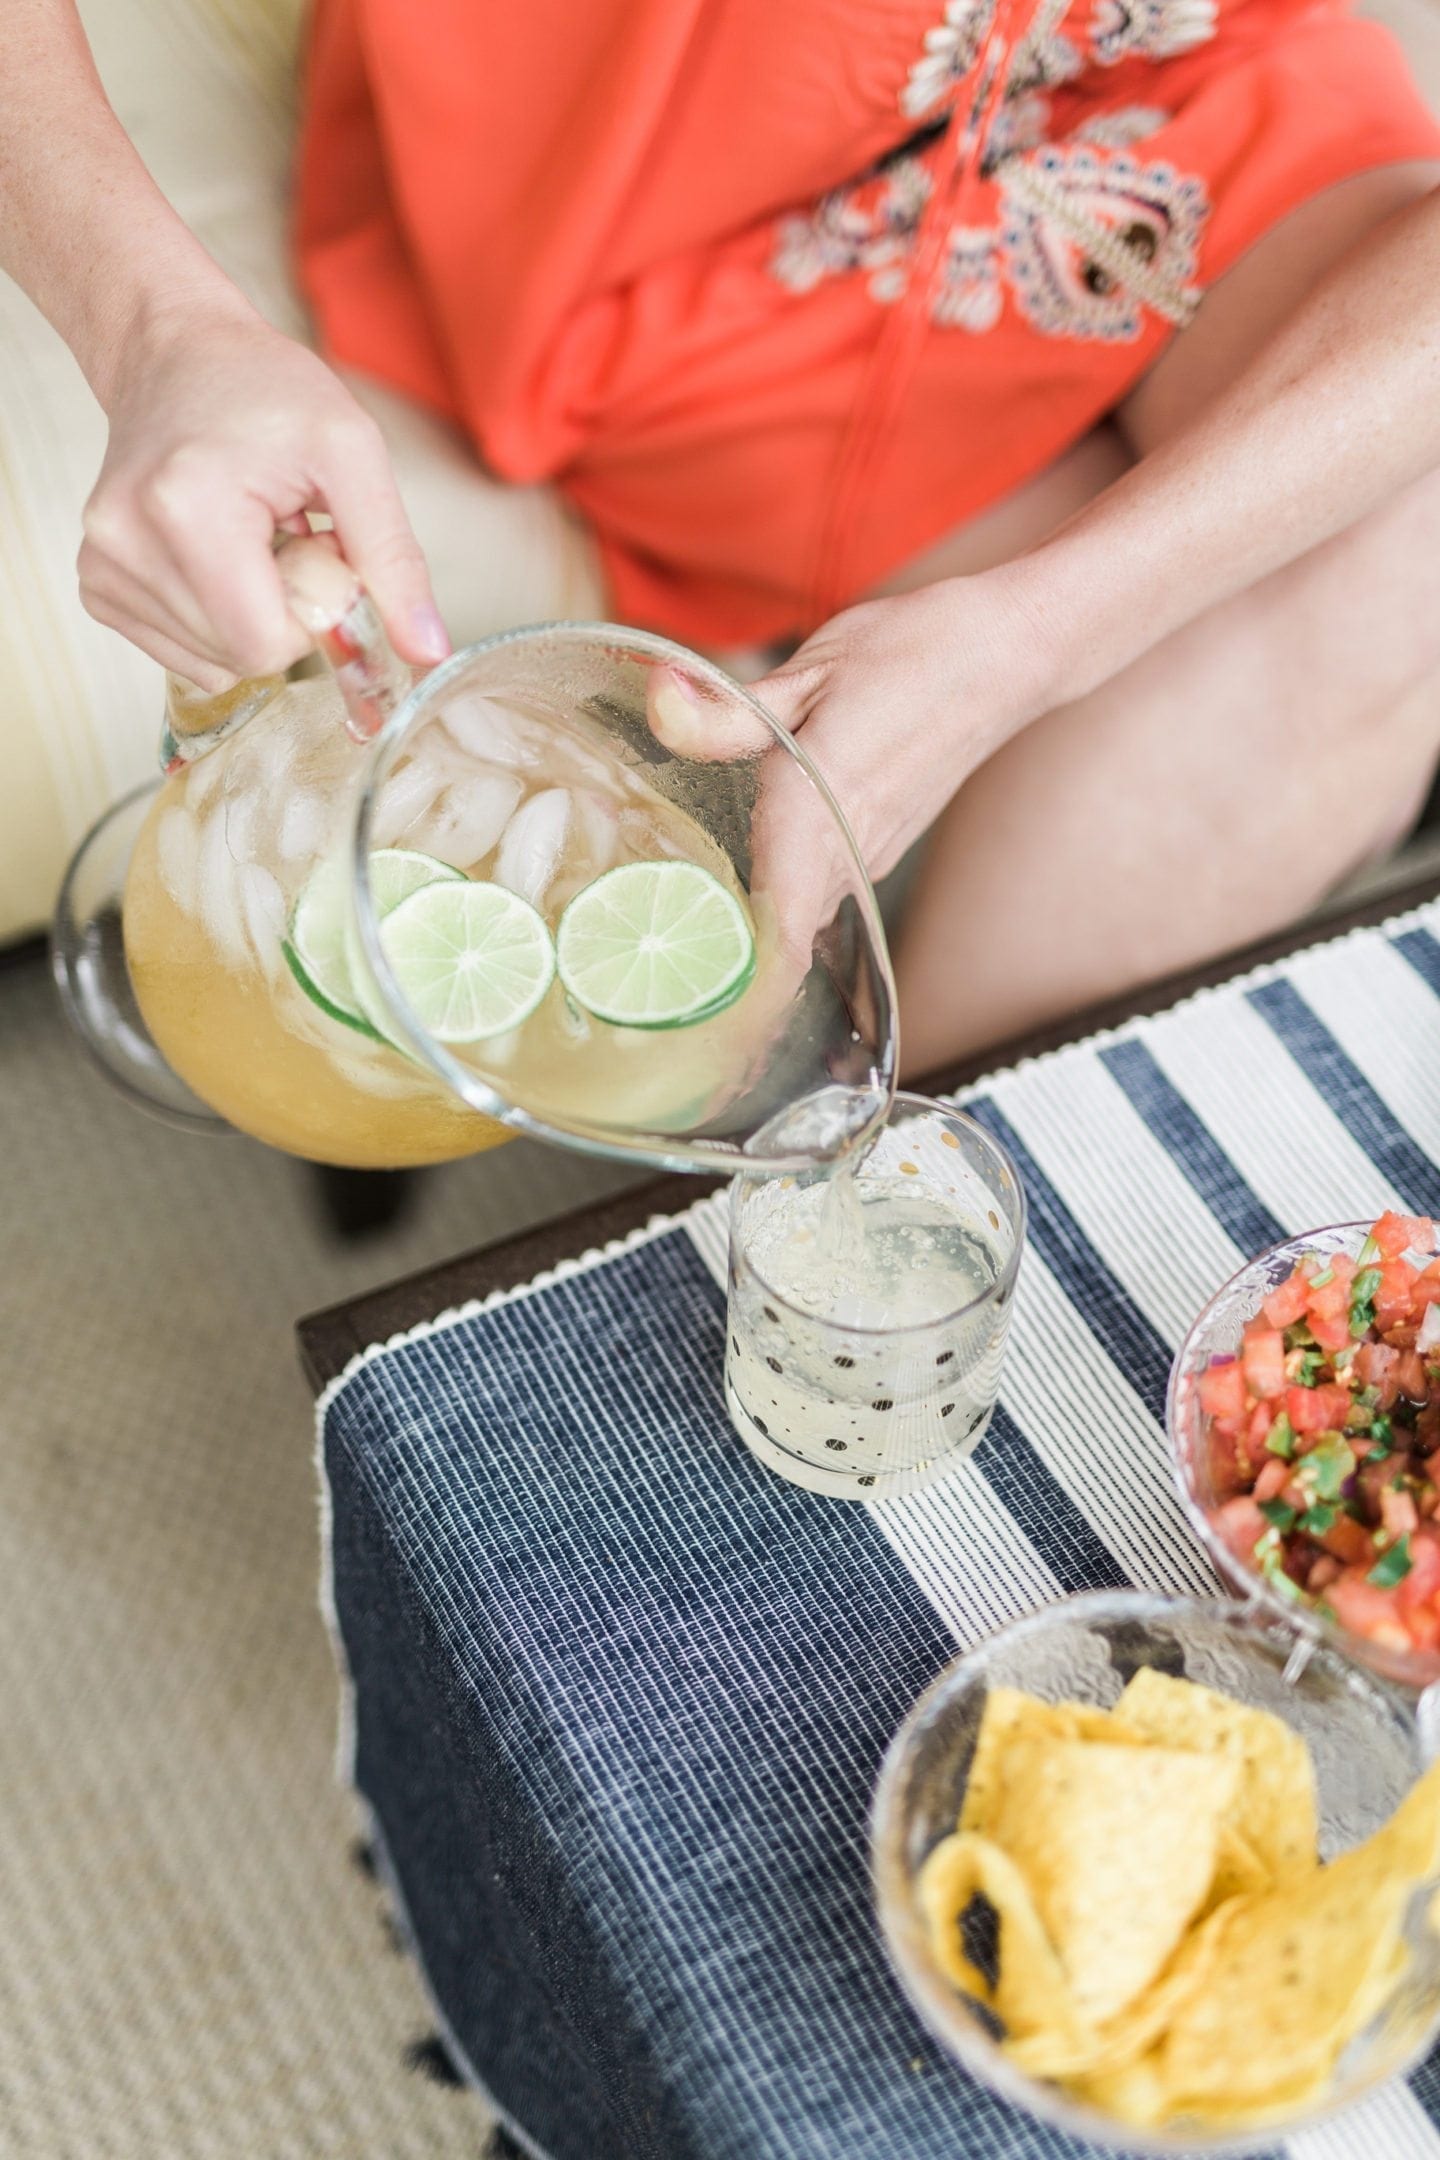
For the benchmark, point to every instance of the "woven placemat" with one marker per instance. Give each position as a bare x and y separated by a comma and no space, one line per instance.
613,1642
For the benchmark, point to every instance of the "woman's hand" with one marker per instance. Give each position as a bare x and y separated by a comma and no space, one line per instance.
222,431
899,701
896,702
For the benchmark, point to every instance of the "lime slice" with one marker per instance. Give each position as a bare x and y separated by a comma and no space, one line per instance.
655,945
472,960
317,950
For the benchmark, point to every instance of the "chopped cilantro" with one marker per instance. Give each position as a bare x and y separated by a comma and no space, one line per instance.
1362,1302
1280,1440
1318,1519
1271,1558
1324,1470
1280,1513
1392,1566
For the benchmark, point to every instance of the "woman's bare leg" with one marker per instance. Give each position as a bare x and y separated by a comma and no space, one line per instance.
1227,780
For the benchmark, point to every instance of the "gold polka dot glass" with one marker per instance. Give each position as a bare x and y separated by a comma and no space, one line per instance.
868,1312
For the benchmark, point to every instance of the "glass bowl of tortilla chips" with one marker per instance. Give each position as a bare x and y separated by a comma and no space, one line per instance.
1161,1872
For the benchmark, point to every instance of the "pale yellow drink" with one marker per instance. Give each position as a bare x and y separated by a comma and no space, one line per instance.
231,842
252,1046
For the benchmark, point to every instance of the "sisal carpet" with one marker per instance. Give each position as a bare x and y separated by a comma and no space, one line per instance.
194,1962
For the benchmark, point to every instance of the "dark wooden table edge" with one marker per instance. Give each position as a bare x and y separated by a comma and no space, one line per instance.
329,1339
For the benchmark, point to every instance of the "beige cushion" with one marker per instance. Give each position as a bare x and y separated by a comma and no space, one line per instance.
1417,25
206,90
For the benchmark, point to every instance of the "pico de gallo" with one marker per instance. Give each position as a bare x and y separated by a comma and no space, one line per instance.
1324,1436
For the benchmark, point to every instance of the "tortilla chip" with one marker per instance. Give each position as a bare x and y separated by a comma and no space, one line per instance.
1275,1806
1169,1946
1008,1716
1118,1845
1296,1976
1410,1841
1239,1870
1125,2038
1030,1994
1137,2093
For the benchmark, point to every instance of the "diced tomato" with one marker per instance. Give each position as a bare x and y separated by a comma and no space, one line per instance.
1424,1627
1375,1365
1317,1409
1284,1305
1427,1291
1331,1299
1395,1295
1367,1610
1349,1541
1323,1569
1419,1587
1241,1524
1252,1446
1273,1478
1395,1234
1331,1330
1410,1376
1222,1391
1371,1483
1227,1474
1262,1360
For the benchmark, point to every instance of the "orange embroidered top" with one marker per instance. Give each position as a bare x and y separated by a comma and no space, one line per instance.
779,293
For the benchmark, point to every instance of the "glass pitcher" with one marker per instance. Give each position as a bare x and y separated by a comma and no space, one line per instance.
725,1001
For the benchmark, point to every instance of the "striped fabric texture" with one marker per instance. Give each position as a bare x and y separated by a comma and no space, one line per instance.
619,1695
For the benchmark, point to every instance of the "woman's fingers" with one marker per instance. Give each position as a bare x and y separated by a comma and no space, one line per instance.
126,602
377,541
189,547
800,865
221,433
694,721
169,651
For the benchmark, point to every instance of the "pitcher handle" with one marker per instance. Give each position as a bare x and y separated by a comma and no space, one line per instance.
329,601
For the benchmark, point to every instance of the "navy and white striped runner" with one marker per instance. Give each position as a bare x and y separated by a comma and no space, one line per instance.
1156,1160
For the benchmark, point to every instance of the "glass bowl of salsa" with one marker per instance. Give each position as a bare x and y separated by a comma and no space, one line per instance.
1304,1416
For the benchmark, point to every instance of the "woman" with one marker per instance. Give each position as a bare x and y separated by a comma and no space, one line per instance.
1066,377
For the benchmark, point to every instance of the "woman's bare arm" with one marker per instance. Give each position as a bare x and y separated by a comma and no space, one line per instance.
1339,411
83,227
220,428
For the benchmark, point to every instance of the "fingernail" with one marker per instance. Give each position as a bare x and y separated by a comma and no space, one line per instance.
676,707
428,635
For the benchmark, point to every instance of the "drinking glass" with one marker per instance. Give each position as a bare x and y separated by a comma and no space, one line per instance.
868,1310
